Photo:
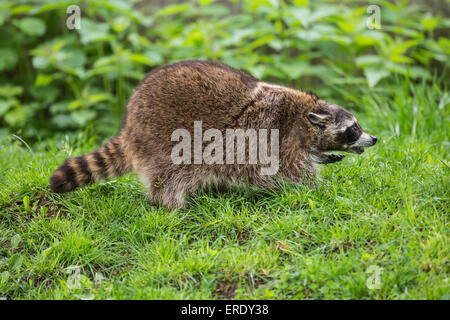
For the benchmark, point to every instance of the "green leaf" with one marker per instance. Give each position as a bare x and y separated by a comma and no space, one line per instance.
374,75
59,107
303,15
216,10
5,105
63,121
174,9
43,79
205,2
8,58
301,3
75,104
16,262
15,241
16,117
140,58
155,57
295,69
94,98
4,277
138,41
257,71
308,35
82,117
40,62
31,26
50,6
92,31
26,203
370,38
120,24
429,22
10,91
71,61
419,72
21,9
45,94
367,60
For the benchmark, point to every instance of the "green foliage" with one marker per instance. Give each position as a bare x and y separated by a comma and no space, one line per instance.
59,80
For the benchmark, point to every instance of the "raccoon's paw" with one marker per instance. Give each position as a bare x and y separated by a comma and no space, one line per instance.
331,158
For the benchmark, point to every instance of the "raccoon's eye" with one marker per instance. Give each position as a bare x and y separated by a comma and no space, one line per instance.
352,133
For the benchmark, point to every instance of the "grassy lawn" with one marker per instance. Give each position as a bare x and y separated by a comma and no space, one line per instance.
387,208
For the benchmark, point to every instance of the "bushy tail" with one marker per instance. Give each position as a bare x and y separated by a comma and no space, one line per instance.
108,161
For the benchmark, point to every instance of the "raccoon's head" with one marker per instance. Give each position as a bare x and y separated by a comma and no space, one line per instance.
336,129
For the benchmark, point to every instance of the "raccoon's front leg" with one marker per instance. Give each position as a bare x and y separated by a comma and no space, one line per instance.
325,158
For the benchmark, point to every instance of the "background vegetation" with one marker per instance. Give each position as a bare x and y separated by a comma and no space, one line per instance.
62,93
59,80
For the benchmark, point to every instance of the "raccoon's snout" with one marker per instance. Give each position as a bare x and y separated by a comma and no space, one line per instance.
365,140
372,142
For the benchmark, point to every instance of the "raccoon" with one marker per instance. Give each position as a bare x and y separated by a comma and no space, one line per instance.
179,95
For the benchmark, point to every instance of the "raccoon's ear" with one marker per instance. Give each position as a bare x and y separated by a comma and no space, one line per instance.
318,119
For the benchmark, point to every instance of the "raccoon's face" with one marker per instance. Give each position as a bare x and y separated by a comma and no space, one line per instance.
338,130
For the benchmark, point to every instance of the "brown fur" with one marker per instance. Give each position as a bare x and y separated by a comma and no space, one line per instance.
176,95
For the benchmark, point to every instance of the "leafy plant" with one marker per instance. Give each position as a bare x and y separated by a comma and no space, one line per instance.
59,80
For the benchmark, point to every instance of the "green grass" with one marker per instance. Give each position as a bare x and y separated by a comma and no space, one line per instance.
386,208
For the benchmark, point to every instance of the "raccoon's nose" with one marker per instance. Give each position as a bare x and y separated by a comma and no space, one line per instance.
374,139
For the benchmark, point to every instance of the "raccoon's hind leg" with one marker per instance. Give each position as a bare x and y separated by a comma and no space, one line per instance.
172,189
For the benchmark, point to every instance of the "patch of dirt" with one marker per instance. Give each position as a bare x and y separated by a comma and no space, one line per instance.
431,267
307,292
282,246
53,209
243,235
7,246
341,245
39,205
226,289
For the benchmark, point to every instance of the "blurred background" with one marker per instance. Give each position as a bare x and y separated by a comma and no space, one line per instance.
56,81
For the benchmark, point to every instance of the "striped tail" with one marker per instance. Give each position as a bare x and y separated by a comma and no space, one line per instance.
108,161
